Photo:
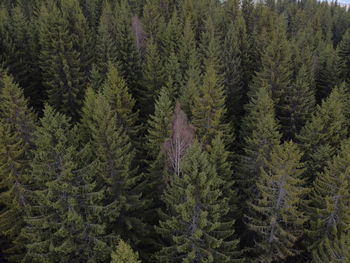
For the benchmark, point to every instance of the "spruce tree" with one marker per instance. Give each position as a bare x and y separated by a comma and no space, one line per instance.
260,134
159,124
192,226
321,136
64,208
329,202
60,62
105,43
128,55
124,254
277,216
15,111
116,93
327,76
233,79
118,174
297,104
17,124
332,251
209,108
154,78
344,54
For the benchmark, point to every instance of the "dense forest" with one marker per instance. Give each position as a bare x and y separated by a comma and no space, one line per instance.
189,131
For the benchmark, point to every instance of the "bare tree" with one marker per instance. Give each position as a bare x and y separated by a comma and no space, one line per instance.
138,31
182,137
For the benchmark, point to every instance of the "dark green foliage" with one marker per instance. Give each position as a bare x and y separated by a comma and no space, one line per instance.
209,109
154,78
277,217
128,55
344,56
115,162
327,76
124,254
329,206
193,225
260,136
16,127
129,87
60,61
297,104
321,136
64,208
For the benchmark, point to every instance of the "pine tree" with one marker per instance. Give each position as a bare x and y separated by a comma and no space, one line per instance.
60,62
209,108
64,208
277,217
329,205
124,254
115,157
193,225
16,127
321,136
344,54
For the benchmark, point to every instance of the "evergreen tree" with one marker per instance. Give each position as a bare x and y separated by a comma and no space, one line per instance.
277,217
154,78
64,208
13,165
233,79
124,254
173,75
128,56
297,104
321,136
209,108
329,206
193,225
159,124
16,126
276,70
117,171
105,43
209,49
260,136
344,54
332,251
327,76
14,110
60,62
116,93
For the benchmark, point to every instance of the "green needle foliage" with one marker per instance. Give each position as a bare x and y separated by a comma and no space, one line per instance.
124,254
193,228
277,217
